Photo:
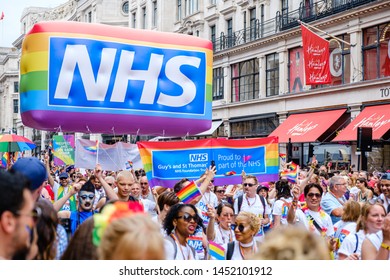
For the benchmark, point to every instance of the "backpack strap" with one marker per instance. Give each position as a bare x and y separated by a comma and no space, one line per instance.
240,199
357,243
230,250
174,245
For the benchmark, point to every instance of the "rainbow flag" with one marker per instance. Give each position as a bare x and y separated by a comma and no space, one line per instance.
230,173
291,173
216,251
4,159
188,193
283,157
92,149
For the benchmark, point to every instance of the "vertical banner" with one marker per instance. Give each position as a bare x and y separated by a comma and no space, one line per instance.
165,163
63,149
316,57
111,157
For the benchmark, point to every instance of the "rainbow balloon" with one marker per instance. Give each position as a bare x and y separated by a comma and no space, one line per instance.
103,79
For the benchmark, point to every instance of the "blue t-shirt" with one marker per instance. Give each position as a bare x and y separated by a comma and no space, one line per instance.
77,218
329,203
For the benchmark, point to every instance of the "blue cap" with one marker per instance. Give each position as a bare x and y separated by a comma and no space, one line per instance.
33,169
64,175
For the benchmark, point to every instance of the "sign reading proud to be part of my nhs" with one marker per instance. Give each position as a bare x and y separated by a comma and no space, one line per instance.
103,79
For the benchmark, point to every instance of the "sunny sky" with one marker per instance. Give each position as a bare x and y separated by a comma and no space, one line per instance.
10,25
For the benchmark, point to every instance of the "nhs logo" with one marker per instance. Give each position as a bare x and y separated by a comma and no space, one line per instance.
198,157
104,75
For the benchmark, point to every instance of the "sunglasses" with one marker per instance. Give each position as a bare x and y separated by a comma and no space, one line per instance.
220,191
311,195
240,227
90,196
248,185
187,218
35,214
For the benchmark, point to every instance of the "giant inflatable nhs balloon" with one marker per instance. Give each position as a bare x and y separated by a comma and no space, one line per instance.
82,77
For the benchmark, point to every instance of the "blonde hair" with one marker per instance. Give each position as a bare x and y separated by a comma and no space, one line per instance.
351,212
124,174
292,243
253,220
132,238
366,208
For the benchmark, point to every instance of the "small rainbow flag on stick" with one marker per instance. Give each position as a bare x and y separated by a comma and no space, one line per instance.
4,159
291,173
283,157
216,251
188,193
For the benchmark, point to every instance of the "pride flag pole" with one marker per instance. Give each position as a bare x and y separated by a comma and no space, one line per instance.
97,151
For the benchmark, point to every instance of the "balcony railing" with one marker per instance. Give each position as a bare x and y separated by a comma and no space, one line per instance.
285,21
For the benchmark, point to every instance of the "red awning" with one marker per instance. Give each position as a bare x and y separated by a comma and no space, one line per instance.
306,127
377,117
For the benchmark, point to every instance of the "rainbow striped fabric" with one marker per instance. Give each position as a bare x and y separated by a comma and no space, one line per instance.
189,193
291,173
4,159
166,163
283,157
216,251
92,149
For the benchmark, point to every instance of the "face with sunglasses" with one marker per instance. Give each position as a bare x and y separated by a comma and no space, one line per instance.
242,229
86,200
313,199
250,187
186,221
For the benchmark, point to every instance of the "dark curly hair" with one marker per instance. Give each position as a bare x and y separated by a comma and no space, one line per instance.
283,189
172,215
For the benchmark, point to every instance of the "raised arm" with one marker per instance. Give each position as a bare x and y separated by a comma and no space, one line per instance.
59,203
210,233
50,179
107,188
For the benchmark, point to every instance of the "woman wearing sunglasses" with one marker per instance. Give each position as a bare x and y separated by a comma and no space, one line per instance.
310,215
245,246
221,232
181,222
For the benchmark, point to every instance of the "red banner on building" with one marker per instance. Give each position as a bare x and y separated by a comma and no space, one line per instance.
316,57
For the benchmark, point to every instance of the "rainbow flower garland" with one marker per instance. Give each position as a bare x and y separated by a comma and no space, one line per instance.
312,228
110,212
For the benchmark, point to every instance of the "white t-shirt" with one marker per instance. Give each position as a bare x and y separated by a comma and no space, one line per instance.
207,198
376,240
343,229
281,209
236,252
223,236
348,246
322,219
255,206
185,253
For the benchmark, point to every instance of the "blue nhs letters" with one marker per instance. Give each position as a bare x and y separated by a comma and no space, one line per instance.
108,75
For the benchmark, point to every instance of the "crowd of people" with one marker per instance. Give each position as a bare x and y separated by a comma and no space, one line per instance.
52,212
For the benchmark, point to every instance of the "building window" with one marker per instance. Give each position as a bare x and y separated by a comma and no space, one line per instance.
261,20
144,18
16,86
154,14
296,70
340,61
179,7
213,2
89,16
245,80
16,106
272,74
252,23
376,57
218,83
134,20
259,127
191,7
284,11
213,36
125,7
230,39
